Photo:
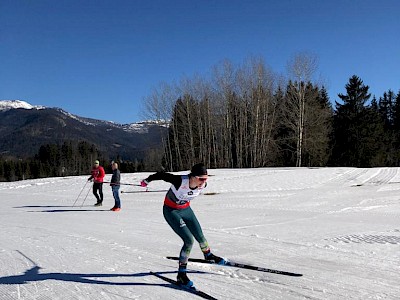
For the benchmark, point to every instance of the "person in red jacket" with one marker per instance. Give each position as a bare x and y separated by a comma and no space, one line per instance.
98,177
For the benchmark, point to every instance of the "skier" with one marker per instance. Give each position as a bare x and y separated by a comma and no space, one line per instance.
115,185
179,215
98,177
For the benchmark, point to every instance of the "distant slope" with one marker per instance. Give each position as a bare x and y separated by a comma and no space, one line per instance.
24,128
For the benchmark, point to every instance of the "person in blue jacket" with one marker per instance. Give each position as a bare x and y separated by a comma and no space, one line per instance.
115,185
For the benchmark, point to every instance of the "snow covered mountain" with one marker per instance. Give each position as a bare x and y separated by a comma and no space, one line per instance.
139,127
24,128
15,104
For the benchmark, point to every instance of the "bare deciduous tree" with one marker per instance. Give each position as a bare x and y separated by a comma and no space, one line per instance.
231,120
301,68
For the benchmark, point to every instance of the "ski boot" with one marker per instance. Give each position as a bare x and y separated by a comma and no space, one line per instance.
216,259
182,278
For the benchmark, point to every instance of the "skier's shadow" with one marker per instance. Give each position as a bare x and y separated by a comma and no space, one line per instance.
39,206
67,210
72,209
33,275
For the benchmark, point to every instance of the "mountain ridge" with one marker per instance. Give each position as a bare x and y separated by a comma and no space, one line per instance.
24,128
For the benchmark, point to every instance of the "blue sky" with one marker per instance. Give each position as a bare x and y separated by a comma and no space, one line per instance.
100,59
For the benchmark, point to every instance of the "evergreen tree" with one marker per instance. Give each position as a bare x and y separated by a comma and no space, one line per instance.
26,170
395,133
376,146
351,134
9,171
1,169
396,113
386,108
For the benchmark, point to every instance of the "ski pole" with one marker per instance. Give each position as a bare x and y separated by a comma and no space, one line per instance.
132,184
146,191
85,197
80,193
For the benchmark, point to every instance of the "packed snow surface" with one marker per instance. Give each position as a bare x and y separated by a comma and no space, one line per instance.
339,227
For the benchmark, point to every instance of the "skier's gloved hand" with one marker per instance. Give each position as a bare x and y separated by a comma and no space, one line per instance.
90,179
211,257
144,183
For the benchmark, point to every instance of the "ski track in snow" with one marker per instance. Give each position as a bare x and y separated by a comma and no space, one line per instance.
337,226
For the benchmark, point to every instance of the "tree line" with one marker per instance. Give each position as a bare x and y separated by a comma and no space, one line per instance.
71,158
247,117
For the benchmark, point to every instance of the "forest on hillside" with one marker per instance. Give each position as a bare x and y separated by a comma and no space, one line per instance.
71,158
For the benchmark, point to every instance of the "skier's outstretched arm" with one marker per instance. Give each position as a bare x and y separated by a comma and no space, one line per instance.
176,180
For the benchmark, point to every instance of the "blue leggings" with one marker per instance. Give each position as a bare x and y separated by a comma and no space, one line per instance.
185,224
115,191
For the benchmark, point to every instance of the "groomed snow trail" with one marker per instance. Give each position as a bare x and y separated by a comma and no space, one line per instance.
339,227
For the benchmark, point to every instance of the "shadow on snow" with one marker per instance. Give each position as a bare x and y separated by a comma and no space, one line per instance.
33,275
76,208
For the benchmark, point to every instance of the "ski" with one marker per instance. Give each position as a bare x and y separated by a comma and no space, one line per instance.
239,265
192,290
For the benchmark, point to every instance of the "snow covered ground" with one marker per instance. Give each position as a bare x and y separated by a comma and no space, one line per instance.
339,227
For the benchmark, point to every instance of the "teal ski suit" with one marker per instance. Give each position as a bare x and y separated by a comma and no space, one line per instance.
178,213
